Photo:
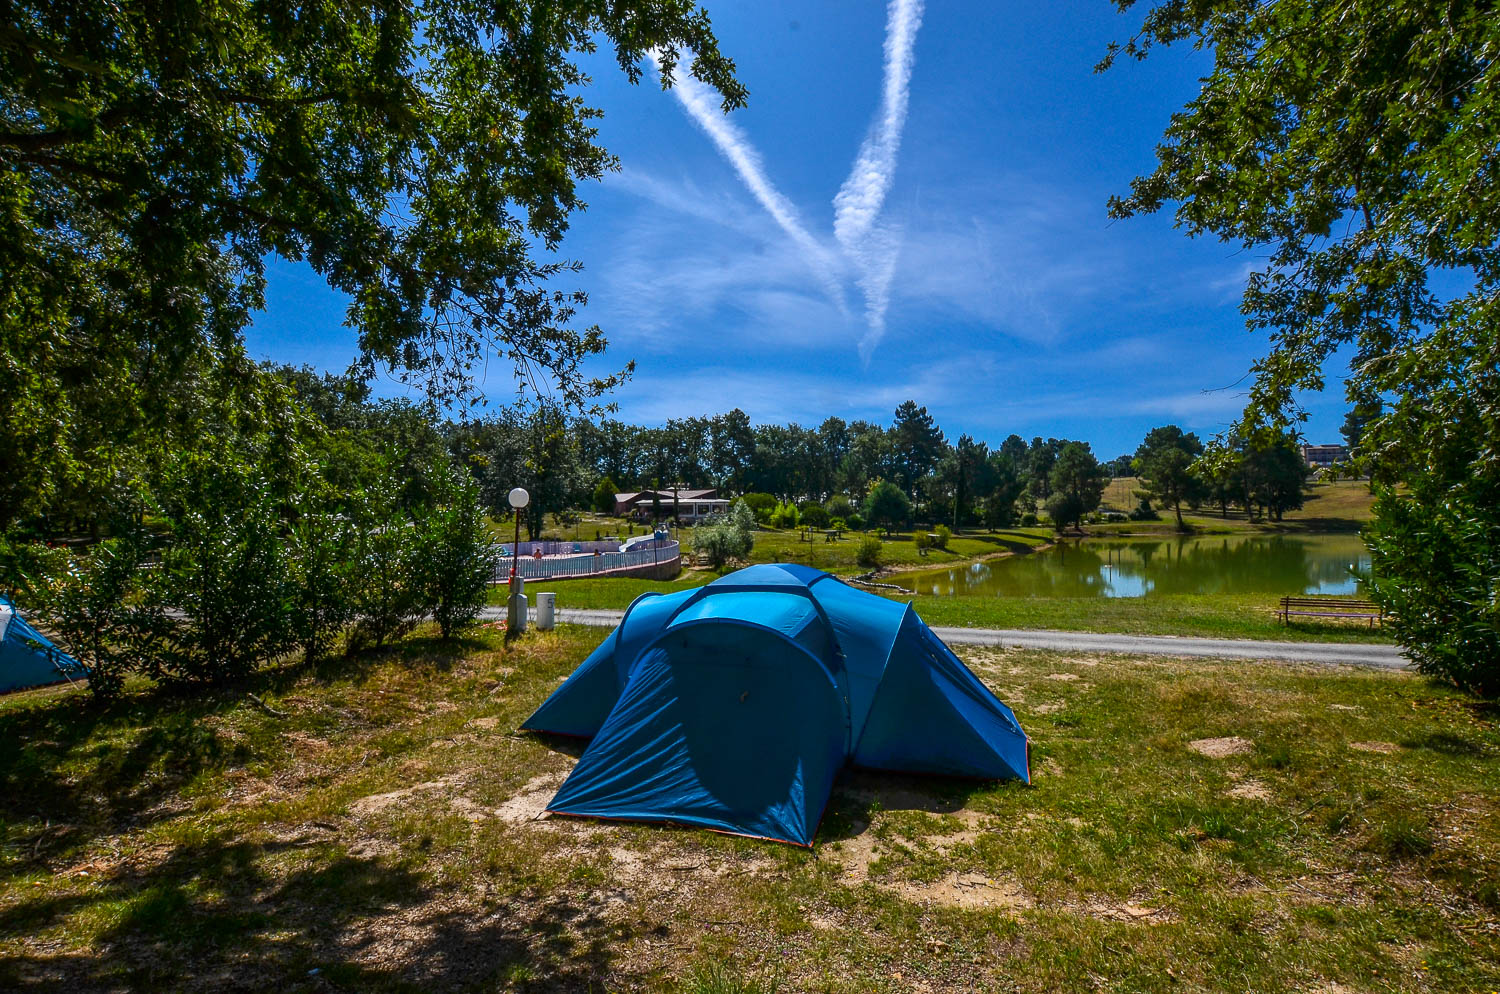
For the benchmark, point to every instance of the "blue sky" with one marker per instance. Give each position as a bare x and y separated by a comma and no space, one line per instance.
911,206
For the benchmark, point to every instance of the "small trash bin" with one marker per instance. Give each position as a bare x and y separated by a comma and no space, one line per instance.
545,602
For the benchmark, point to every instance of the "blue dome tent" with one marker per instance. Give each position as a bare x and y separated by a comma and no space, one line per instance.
734,705
27,657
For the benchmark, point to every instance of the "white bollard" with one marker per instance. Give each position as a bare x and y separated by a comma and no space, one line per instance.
516,612
545,604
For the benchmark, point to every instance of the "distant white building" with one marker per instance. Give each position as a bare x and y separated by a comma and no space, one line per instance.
689,505
1323,456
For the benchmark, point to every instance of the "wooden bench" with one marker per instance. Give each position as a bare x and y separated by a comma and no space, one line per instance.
1330,607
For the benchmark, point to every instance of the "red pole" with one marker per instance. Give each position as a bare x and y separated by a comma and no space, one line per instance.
515,552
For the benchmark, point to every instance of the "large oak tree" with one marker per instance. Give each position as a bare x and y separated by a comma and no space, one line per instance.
423,156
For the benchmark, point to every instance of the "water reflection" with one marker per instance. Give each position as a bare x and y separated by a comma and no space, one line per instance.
1230,564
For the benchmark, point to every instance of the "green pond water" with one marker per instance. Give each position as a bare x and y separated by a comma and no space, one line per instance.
1217,564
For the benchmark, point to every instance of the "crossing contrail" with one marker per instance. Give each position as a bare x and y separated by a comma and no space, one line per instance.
856,208
741,153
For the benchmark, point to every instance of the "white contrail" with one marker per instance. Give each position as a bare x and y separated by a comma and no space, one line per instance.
860,199
875,257
736,146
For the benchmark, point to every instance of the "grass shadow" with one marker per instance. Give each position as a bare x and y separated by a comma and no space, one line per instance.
216,915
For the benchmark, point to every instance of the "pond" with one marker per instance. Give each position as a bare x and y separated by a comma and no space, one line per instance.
1140,567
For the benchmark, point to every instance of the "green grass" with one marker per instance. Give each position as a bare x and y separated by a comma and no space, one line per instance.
898,550
606,592
378,838
1343,505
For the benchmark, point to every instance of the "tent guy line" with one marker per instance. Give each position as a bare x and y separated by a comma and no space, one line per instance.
1367,654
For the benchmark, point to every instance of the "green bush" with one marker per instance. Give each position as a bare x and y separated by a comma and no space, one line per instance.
785,516
321,552
814,515
943,533
839,506
225,573
1435,556
88,601
761,504
732,538
854,521
388,598
869,552
886,506
456,558
1028,520
922,541
838,524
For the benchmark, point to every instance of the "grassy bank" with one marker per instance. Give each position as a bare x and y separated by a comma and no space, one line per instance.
1192,827
898,550
1340,506
1208,615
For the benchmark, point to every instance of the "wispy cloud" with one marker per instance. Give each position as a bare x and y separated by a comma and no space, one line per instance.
858,202
741,153
874,247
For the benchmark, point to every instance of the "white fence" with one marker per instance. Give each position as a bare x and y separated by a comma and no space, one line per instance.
586,564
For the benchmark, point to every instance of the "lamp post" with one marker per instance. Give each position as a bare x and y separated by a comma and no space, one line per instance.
516,605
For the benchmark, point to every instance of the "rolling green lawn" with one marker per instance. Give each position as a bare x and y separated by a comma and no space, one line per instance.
1192,826
1343,505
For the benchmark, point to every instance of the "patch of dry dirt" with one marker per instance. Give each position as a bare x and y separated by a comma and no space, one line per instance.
964,890
1381,747
1221,748
1047,767
530,802
1125,911
1250,790
374,804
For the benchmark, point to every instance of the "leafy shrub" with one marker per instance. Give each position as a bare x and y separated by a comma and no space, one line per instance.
1028,520
761,504
814,516
225,571
854,521
732,538
839,506
321,553
785,516
1143,511
87,599
388,598
886,506
456,558
1435,556
922,541
943,533
604,496
838,524
869,552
